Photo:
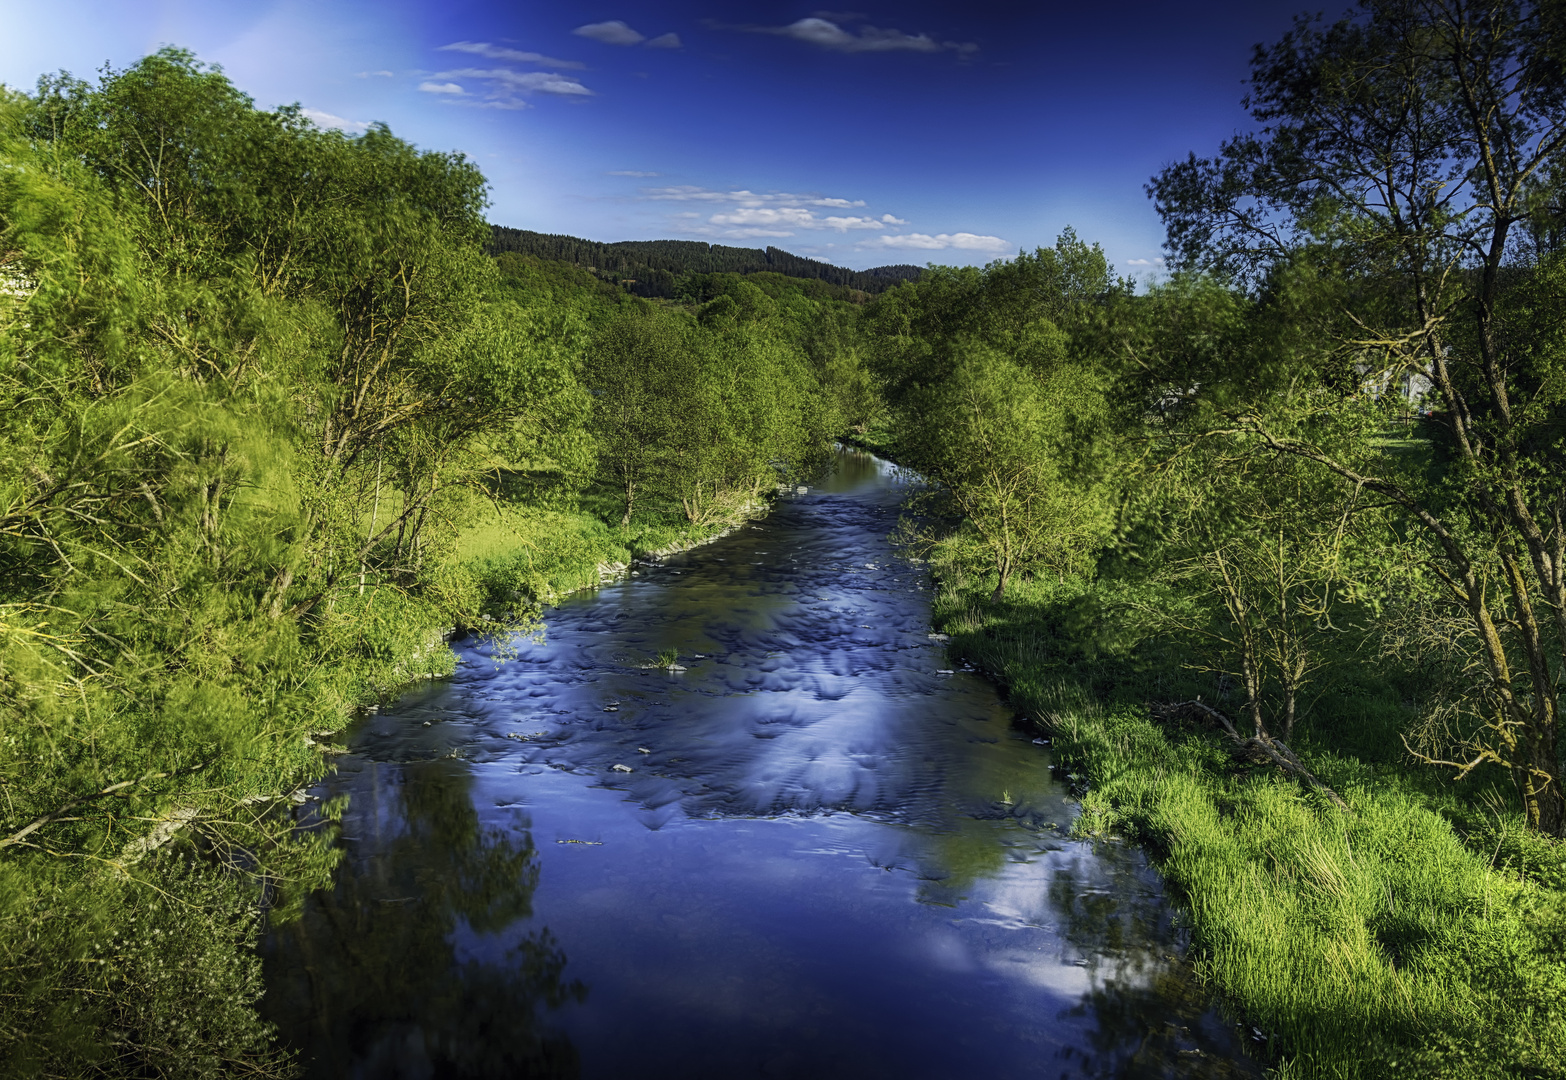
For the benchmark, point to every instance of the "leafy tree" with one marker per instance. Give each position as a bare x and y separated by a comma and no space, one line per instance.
634,399
995,436
1270,562
245,366
1407,151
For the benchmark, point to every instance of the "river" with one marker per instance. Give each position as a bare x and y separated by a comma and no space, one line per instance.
830,857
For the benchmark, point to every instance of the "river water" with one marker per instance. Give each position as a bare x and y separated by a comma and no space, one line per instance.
830,857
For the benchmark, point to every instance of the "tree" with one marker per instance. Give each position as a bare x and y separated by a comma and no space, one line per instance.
238,356
1407,151
1268,560
627,373
994,436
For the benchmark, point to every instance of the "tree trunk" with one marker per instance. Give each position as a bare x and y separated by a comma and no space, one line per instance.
1252,677
1002,573
375,510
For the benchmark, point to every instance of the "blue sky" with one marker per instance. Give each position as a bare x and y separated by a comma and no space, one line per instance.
912,133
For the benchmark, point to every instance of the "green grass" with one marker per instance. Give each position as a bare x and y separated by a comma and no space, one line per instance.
522,557
1420,935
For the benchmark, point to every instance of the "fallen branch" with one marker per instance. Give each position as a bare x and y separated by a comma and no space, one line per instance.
1260,748
59,814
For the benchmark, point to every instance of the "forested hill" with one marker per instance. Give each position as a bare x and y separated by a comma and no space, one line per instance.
650,267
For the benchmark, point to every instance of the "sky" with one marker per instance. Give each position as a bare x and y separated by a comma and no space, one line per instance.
951,133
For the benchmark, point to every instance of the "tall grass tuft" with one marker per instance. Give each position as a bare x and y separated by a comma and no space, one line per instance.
1422,934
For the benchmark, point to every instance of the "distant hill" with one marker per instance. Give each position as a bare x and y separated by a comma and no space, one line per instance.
651,267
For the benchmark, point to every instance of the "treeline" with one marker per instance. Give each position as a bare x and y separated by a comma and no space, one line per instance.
1273,549
654,268
261,387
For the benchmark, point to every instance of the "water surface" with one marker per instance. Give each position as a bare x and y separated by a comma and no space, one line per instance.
831,856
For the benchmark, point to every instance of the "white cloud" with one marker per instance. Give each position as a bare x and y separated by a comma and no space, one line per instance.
330,120
633,172
500,52
743,234
1144,262
963,241
743,197
795,216
375,74
666,41
441,88
504,79
613,32
741,213
827,34
843,224
788,217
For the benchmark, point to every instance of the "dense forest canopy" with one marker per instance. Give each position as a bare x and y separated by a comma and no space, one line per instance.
654,267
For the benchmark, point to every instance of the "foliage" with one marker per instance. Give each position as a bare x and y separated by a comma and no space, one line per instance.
998,402
1375,943
995,437
1407,156
251,372
663,268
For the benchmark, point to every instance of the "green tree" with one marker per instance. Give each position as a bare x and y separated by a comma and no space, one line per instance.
1407,151
996,437
628,372
244,365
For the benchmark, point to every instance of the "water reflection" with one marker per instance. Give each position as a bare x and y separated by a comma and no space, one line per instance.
370,982
831,856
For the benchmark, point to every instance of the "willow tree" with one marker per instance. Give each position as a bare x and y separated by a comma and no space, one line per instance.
1412,151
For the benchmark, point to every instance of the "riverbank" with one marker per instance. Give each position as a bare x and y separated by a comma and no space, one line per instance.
507,568
1415,934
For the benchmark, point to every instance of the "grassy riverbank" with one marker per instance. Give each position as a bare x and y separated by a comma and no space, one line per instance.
509,565
1421,933
532,555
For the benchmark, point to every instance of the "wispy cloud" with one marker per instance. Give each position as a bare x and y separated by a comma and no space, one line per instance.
791,217
441,88
962,241
741,213
503,84
613,32
331,120
743,197
743,233
500,52
1145,262
375,74
616,32
633,172
829,33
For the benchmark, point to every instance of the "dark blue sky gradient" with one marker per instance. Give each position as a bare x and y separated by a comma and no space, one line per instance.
989,129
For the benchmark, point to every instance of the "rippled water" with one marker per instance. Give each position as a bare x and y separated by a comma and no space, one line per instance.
828,859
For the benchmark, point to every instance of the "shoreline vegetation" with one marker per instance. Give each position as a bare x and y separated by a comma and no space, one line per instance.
277,409
1413,933
273,418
